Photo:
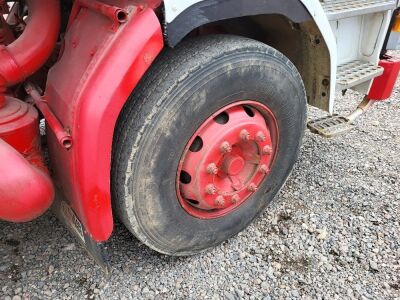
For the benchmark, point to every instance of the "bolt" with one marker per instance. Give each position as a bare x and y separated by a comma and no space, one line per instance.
260,136
252,187
220,201
225,147
212,169
267,150
264,169
235,199
211,189
244,135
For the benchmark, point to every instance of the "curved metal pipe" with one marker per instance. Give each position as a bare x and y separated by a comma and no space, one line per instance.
361,108
114,13
30,51
26,191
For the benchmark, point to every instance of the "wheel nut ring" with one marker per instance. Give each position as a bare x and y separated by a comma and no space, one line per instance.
235,156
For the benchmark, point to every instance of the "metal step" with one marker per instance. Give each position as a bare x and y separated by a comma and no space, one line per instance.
356,72
330,126
340,9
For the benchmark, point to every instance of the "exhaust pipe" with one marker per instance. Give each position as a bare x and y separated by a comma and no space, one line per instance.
26,190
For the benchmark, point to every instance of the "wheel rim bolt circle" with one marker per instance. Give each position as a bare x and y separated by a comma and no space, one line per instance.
244,135
211,189
212,169
225,147
252,187
219,182
260,136
267,150
264,169
220,201
235,199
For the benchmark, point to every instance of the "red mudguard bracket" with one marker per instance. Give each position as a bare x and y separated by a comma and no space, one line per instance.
383,85
101,63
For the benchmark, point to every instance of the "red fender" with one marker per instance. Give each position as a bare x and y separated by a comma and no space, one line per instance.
100,65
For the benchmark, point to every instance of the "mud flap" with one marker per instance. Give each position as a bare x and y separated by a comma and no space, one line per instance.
68,217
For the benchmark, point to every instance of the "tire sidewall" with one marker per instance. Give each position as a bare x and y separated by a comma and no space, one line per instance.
159,219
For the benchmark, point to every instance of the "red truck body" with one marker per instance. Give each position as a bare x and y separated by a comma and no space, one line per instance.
102,58
76,67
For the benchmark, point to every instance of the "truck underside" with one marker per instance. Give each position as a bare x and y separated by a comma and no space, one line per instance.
184,118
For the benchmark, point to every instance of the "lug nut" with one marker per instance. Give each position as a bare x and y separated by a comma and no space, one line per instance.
220,201
211,189
212,169
252,187
264,169
225,147
267,150
244,135
260,136
235,199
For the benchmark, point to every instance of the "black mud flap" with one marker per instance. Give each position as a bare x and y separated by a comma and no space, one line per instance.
66,215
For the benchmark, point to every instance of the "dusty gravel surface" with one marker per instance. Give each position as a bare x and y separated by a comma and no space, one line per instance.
333,232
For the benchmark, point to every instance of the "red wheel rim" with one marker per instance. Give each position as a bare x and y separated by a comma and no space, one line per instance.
227,159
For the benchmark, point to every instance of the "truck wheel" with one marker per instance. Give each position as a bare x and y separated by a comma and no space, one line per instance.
205,142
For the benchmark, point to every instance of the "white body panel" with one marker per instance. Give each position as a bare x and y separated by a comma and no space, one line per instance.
394,41
175,7
360,38
354,32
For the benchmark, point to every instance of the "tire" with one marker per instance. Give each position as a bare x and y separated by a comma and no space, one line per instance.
183,88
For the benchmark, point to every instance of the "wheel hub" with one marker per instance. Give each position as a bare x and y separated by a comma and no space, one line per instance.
227,159
232,165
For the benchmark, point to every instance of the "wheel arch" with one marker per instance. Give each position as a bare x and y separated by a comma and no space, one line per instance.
272,22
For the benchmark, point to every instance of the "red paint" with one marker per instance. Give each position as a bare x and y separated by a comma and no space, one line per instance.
227,159
19,128
382,87
100,65
233,164
26,191
53,123
114,13
30,51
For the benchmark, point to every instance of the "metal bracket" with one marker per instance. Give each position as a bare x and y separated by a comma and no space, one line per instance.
330,126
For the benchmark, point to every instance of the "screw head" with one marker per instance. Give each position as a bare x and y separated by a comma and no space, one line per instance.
212,169
264,169
235,199
225,147
267,150
220,201
244,135
252,187
211,189
260,136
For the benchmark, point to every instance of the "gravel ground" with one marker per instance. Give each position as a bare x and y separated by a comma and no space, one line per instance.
333,232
